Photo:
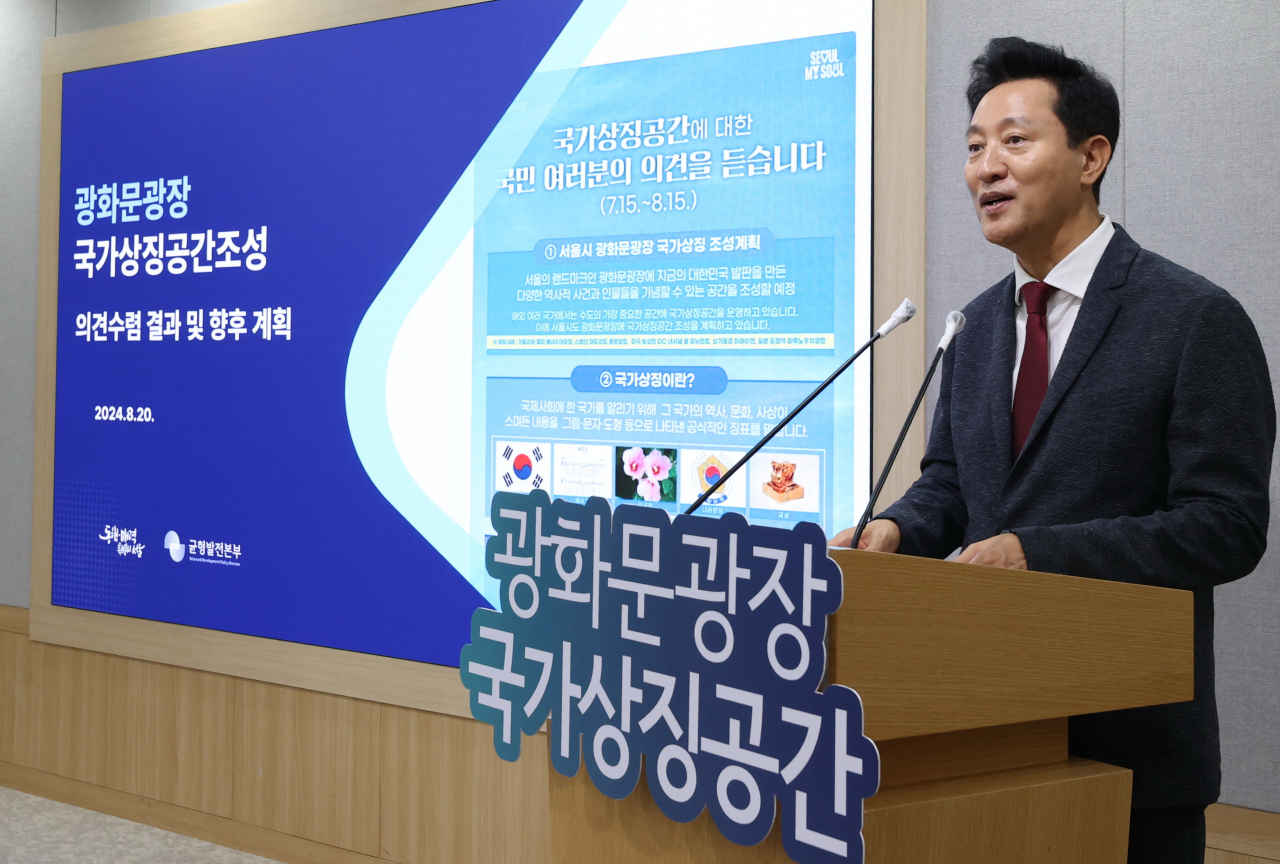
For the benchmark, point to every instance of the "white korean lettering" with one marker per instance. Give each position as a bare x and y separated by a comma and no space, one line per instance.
774,585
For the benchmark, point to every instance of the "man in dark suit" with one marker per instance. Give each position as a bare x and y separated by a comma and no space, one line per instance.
1106,413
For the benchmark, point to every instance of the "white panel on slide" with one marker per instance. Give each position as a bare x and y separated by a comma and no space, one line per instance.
429,388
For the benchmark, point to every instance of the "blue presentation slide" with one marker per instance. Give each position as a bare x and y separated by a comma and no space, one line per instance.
321,296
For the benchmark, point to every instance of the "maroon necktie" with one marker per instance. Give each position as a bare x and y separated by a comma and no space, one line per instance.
1033,373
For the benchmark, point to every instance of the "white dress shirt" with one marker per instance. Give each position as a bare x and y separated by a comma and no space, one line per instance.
1071,277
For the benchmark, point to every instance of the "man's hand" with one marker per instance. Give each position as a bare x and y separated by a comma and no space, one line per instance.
880,535
1003,550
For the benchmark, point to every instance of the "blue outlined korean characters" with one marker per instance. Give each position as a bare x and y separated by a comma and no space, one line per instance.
574,565
550,569
635,605
695,647
822,817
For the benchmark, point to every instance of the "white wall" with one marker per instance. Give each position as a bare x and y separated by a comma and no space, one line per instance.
1196,178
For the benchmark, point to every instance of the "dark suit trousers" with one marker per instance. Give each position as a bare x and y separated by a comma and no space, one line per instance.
1170,835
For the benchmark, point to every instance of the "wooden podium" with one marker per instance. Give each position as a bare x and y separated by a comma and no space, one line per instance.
967,676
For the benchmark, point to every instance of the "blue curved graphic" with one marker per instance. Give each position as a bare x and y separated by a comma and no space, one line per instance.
368,362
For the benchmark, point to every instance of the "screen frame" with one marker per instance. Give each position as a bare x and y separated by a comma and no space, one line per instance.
898,267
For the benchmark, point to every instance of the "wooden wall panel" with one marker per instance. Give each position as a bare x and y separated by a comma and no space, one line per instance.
904,761
14,619
446,796
61,711
1074,812
1221,856
899,237
588,827
9,646
937,647
157,731
1067,813
308,667
1245,832
307,764
171,734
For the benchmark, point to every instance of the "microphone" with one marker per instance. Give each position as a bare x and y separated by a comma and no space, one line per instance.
955,323
904,313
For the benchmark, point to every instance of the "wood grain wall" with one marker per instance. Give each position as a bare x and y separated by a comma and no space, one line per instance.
302,776
291,774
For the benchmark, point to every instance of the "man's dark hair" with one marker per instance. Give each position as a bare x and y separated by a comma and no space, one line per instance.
1087,103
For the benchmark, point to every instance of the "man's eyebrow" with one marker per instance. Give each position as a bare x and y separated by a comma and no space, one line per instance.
1003,124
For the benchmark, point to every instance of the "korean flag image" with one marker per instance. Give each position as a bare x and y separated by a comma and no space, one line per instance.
521,466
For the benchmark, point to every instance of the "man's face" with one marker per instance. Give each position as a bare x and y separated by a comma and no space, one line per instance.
1024,178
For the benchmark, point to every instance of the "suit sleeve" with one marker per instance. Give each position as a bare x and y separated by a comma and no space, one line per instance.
932,515
1220,436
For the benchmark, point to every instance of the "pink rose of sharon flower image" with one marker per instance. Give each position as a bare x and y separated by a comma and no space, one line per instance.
658,466
646,477
633,462
649,489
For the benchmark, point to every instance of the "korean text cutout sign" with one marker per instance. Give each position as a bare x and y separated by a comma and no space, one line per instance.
696,645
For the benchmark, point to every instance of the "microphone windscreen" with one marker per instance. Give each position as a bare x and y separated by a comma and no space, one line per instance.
955,323
905,312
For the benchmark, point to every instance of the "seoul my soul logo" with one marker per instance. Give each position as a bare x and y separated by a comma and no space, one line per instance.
824,64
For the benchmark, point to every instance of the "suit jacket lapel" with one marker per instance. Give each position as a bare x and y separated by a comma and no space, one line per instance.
1101,303
1003,338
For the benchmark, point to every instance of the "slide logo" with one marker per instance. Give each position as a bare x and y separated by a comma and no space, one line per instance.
177,549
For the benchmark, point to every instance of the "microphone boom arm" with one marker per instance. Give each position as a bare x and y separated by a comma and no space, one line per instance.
955,323
778,428
893,455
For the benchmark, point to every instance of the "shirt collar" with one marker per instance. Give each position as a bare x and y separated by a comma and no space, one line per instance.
1073,273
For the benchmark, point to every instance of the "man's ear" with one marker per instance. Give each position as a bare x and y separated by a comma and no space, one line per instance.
1097,156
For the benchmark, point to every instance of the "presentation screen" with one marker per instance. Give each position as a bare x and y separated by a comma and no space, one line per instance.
321,296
